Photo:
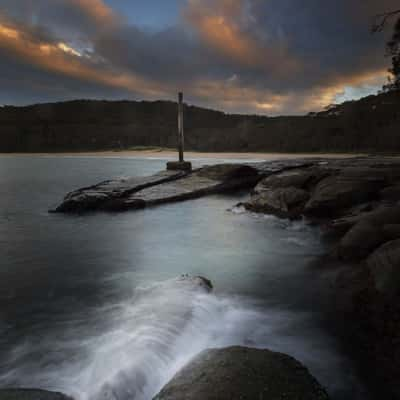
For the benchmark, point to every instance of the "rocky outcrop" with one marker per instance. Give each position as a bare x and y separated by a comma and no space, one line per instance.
31,394
339,191
357,201
285,193
242,373
164,187
299,178
346,189
283,202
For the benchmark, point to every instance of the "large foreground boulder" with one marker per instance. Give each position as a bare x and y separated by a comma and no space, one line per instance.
242,373
31,394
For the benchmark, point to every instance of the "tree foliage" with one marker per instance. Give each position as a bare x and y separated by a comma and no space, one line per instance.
392,47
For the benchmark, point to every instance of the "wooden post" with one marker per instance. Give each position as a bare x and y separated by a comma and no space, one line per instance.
180,165
181,142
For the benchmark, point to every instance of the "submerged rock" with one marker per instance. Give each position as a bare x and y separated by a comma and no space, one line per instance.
200,281
243,373
31,394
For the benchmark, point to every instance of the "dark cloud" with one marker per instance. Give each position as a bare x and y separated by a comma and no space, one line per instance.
276,56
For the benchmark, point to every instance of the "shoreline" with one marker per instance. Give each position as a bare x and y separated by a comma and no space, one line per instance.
189,154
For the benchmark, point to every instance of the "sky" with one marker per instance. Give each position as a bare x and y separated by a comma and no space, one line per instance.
273,57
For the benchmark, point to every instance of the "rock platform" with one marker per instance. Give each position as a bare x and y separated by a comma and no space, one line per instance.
168,186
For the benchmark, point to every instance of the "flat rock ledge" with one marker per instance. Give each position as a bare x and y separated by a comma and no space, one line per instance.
163,187
243,373
31,394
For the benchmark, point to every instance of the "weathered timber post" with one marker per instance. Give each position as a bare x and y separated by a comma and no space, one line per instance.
181,139
181,165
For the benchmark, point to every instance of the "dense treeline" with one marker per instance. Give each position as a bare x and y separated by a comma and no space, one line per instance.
370,124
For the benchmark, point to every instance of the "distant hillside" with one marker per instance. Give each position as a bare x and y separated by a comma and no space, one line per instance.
370,124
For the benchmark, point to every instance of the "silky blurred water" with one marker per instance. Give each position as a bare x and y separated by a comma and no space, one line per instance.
90,305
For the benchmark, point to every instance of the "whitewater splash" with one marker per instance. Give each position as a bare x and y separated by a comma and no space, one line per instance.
151,336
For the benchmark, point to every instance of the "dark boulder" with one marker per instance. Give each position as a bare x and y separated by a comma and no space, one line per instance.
199,281
334,194
284,202
242,373
300,178
360,241
384,266
226,172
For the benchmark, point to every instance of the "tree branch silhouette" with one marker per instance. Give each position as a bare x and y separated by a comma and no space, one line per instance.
382,19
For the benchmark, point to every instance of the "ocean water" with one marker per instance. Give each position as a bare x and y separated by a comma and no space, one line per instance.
93,305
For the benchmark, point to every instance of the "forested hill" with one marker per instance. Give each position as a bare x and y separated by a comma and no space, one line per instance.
370,124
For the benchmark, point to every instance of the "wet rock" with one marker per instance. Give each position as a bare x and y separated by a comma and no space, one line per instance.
199,281
203,182
227,172
360,240
297,178
31,394
384,265
337,193
242,373
164,187
285,202
102,194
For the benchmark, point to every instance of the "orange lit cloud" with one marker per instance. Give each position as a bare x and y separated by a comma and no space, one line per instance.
236,55
98,11
218,26
236,98
321,97
62,58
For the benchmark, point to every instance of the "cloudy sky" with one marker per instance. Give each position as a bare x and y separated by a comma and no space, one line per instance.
249,56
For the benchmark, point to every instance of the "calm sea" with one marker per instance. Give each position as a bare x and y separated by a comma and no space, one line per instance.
90,305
